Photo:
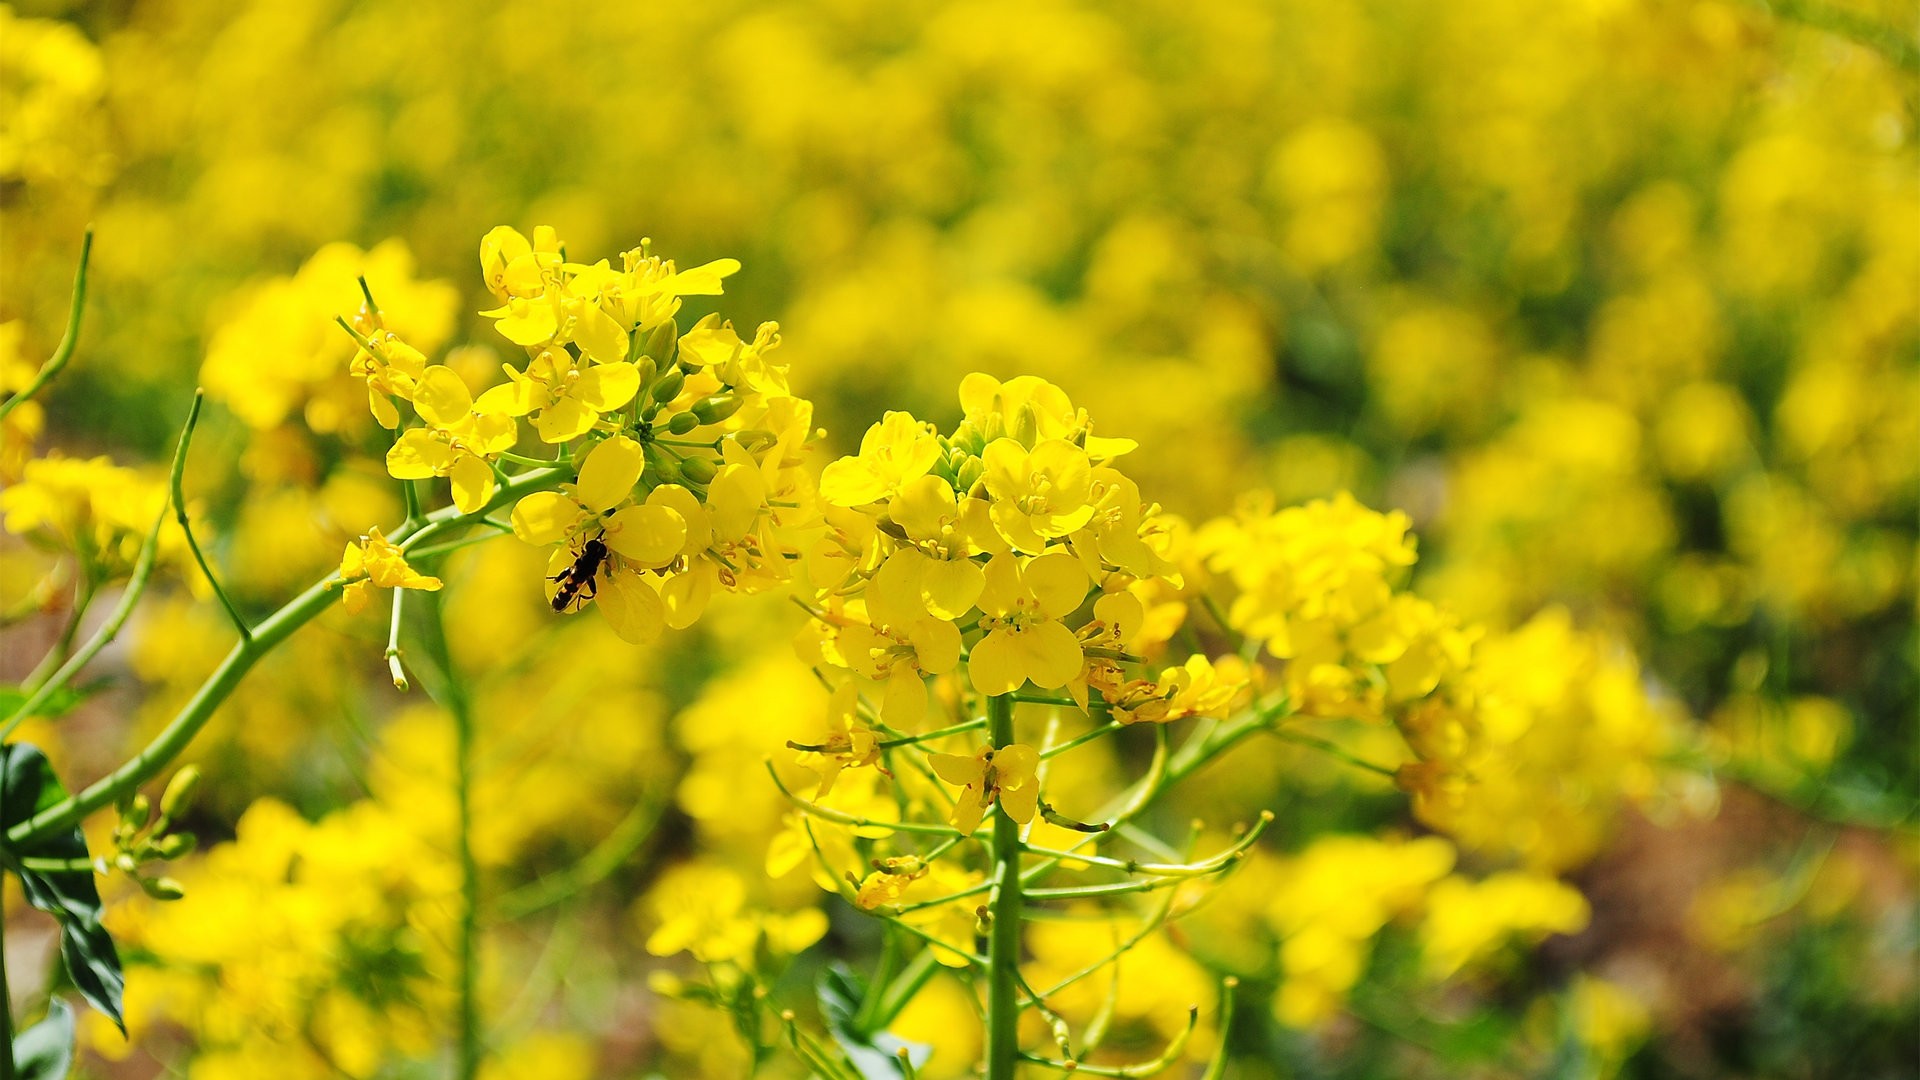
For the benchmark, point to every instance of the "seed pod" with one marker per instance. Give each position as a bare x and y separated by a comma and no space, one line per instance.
698,470
180,792
175,846
682,423
716,408
668,386
163,888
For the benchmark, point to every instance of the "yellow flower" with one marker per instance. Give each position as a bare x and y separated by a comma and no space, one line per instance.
373,562
1037,495
392,368
885,887
1024,639
458,442
892,452
1007,775
846,743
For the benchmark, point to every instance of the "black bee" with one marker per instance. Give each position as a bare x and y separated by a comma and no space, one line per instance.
576,581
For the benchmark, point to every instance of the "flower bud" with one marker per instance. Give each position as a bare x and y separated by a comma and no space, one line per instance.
175,846
716,408
180,792
698,470
647,369
968,475
682,423
163,888
662,341
139,811
754,441
1026,425
668,387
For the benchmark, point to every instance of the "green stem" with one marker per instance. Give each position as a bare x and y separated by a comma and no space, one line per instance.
275,629
186,527
448,689
1003,943
62,352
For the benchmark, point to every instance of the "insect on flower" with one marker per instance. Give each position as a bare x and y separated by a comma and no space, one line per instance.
576,581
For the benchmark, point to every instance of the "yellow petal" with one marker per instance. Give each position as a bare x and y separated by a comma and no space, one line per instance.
936,645
564,420
904,705
1020,803
441,397
356,596
997,665
685,596
1051,655
545,517
735,499
959,770
1057,581
700,280
418,455
950,586
472,483
608,474
606,387
687,505
1000,585
851,482
648,535
631,607
598,335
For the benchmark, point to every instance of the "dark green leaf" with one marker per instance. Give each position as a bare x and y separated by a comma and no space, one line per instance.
45,1050
27,786
876,1055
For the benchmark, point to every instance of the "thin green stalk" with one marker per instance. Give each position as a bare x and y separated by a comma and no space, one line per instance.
275,629
62,352
449,690
41,677
186,527
954,729
1003,943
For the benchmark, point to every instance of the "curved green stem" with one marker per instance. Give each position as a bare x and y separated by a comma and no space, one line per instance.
1003,942
275,629
186,527
62,352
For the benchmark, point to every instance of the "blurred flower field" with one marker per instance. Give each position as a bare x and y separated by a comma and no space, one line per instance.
1249,539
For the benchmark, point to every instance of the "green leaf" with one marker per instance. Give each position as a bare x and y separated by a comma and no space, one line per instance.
28,786
45,1050
58,704
876,1055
